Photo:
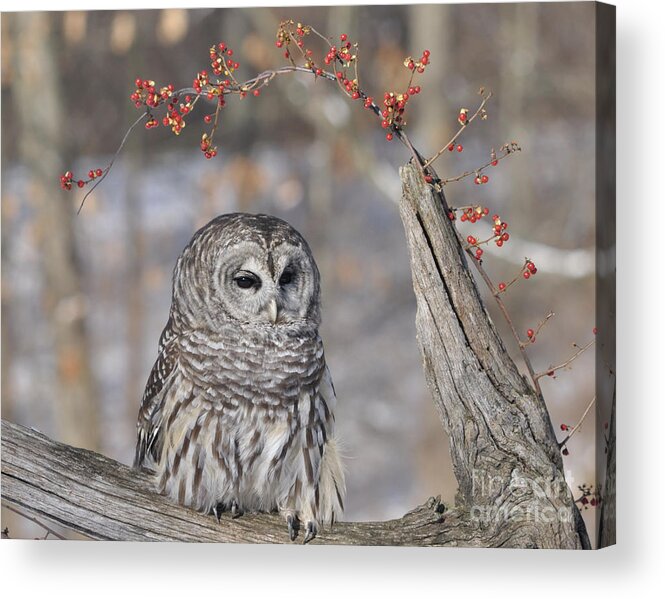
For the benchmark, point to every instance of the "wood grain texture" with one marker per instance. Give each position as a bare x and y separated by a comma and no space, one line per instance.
512,492
504,451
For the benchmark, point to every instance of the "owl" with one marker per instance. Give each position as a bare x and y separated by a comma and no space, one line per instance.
238,411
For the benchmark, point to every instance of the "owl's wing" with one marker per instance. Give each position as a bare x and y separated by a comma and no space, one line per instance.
322,464
148,442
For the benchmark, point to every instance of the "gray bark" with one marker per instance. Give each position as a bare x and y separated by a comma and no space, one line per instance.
512,492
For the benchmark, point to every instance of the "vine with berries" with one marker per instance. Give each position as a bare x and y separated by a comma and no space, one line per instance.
172,108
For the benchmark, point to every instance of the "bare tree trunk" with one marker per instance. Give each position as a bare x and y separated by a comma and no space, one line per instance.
505,455
36,98
512,489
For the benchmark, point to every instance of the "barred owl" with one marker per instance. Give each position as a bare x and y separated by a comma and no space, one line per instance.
238,411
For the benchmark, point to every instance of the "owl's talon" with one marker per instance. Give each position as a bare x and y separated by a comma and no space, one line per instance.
292,526
236,512
311,532
217,510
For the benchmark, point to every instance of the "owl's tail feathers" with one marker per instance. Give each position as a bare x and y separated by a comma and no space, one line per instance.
332,488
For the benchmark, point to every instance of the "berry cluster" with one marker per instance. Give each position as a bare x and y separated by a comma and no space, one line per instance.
343,53
395,103
415,65
474,213
220,60
146,93
67,180
288,32
394,106
528,269
207,148
589,497
474,242
500,234
350,86
176,111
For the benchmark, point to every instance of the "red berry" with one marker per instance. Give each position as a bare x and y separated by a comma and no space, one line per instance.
529,333
564,427
428,178
207,118
495,162
257,92
484,179
355,95
91,174
505,237
343,37
389,136
80,183
595,332
479,253
460,147
279,44
426,52
526,274
451,147
462,117
502,286
385,124
530,265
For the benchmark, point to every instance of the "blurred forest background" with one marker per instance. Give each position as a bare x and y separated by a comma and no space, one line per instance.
84,298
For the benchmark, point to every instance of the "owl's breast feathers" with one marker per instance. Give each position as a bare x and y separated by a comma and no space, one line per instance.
243,416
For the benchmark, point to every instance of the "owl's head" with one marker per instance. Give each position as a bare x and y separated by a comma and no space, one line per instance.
249,269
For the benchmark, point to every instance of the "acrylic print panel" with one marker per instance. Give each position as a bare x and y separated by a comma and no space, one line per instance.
430,176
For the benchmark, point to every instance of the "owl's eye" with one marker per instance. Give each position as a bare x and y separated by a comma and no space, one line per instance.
245,282
286,278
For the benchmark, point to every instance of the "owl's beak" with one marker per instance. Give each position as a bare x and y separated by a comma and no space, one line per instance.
272,310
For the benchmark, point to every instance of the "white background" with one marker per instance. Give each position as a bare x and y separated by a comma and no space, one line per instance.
29,568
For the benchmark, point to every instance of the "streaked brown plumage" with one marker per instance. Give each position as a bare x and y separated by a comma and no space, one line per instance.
238,411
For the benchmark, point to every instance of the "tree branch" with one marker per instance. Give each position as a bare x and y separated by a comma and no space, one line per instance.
103,499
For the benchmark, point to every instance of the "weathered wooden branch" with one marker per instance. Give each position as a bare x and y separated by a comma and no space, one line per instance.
512,492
